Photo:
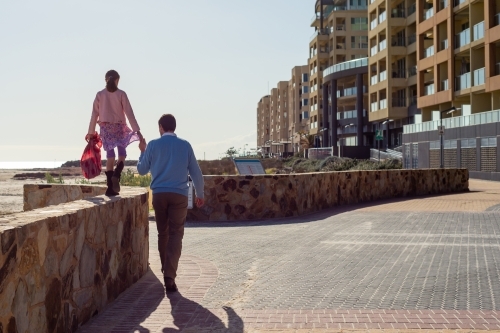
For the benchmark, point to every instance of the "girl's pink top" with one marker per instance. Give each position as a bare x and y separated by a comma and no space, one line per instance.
112,107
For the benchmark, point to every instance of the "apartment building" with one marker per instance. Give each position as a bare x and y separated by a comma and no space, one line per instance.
298,106
341,36
263,124
393,66
458,79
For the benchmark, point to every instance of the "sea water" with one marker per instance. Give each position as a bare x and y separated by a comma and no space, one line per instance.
31,165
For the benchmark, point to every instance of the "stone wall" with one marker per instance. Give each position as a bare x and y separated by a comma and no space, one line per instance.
271,196
38,196
62,264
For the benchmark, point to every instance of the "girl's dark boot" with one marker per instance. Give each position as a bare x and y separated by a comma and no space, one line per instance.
109,182
116,177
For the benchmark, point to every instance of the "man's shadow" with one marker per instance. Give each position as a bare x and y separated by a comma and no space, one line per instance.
192,317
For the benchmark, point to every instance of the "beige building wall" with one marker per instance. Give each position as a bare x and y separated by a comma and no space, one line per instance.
263,123
298,106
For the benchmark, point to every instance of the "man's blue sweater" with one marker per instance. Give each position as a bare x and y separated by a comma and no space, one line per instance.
170,160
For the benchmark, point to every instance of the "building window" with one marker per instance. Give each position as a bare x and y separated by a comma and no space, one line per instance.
359,23
305,77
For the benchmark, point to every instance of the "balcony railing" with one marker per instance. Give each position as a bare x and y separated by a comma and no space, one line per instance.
479,77
355,45
398,12
383,104
340,27
429,90
462,81
399,74
496,19
374,50
340,46
350,91
413,100
320,32
374,106
428,13
383,76
398,41
373,24
362,62
444,44
458,2
412,39
462,38
443,4
398,102
445,85
497,68
374,80
412,71
382,17
455,122
429,51
412,9
478,30
382,45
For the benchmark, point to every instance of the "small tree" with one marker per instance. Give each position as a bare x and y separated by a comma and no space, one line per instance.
306,141
231,152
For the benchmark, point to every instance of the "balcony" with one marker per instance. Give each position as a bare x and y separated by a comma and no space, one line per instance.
374,106
383,104
398,74
320,32
350,91
398,13
444,44
412,39
496,20
383,76
355,45
398,102
445,85
362,62
412,9
396,41
382,45
462,38
428,13
340,27
479,77
382,17
428,52
429,90
497,68
340,46
478,30
443,4
373,24
458,2
462,82
374,80
374,50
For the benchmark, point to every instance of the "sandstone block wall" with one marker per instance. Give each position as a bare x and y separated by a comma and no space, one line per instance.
42,195
271,196
62,264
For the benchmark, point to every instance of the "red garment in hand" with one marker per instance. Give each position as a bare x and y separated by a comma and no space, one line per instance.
91,159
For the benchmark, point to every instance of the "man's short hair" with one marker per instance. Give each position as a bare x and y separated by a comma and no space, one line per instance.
167,122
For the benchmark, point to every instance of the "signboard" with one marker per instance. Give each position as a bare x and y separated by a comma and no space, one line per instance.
190,195
249,166
379,136
441,129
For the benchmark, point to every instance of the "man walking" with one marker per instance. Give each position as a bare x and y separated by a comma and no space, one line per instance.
170,160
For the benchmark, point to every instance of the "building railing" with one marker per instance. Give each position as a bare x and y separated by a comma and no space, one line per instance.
412,9
496,19
374,80
349,114
341,46
359,45
412,100
479,77
429,89
320,32
374,50
382,45
412,39
497,68
383,104
445,85
399,74
350,91
412,71
458,2
462,38
373,24
398,12
398,102
383,76
462,82
455,122
428,13
443,4
429,51
398,41
478,30
356,63
374,106
340,27
382,17
444,44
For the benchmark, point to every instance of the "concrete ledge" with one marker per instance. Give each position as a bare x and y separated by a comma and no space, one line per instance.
484,175
240,198
62,264
43,195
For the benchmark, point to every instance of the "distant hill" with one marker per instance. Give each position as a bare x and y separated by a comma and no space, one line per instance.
70,164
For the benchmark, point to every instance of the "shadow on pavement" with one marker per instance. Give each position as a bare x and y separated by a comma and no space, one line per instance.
190,316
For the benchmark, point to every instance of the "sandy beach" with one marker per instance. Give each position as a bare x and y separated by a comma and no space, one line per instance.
12,181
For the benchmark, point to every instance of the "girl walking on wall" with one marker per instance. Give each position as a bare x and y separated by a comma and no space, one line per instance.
111,111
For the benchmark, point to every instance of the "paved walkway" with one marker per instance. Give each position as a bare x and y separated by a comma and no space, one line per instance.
428,263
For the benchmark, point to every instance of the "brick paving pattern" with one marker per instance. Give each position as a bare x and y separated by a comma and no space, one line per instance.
425,263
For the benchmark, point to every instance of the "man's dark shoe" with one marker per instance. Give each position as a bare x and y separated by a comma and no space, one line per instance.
116,176
170,285
109,191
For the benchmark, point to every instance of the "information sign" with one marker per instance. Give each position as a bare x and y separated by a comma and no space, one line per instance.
249,166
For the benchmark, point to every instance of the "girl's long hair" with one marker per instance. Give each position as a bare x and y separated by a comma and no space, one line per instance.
111,77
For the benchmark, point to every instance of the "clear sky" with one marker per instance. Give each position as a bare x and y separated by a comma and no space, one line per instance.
206,62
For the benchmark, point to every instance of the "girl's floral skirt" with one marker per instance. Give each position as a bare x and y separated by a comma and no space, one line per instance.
116,135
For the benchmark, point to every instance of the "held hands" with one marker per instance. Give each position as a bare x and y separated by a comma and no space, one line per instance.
140,135
142,144
199,202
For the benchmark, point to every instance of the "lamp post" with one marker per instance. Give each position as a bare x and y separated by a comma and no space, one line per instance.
342,133
441,132
321,131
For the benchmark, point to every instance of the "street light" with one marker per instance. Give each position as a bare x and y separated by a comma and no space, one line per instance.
342,133
321,131
441,132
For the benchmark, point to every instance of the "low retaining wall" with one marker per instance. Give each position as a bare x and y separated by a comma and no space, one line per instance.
62,264
270,196
39,196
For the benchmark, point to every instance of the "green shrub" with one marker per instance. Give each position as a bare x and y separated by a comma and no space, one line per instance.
129,178
51,180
